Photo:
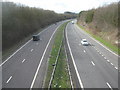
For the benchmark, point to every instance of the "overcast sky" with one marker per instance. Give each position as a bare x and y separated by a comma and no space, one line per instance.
60,6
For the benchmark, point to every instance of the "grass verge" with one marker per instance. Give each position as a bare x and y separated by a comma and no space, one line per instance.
104,42
61,66
61,76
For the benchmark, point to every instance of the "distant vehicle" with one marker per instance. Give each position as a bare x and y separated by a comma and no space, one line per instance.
84,42
36,37
72,22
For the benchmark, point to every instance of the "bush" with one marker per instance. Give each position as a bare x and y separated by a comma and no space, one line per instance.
89,16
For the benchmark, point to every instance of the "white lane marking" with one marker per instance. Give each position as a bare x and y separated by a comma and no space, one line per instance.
15,53
109,86
84,51
20,48
42,59
111,63
108,60
23,60
80,81
31,50
93,63
9,79
105,58
116,68
102,55
99,43
97,51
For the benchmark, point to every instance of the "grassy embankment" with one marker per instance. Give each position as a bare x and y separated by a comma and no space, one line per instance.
61,77
104,42
102,24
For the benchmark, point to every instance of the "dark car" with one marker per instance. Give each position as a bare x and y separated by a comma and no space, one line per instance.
36,37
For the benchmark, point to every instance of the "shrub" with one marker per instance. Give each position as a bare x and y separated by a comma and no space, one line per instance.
89,16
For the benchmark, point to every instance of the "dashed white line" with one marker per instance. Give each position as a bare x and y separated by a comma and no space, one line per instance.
23,60
9,79
102,55
109,86
111,63
105,58
116,68
84,51
97,51
99,43
31,50
108,60
35,76
93,63
19,49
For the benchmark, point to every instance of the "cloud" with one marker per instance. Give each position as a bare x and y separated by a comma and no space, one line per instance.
61,6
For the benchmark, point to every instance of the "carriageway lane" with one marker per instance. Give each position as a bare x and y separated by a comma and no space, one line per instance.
94,69
20,69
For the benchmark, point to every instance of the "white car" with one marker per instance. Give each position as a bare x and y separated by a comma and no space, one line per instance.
84,42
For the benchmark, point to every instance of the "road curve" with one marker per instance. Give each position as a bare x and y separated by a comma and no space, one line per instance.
95,66
26,67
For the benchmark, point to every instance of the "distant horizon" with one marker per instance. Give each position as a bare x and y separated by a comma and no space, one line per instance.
64,5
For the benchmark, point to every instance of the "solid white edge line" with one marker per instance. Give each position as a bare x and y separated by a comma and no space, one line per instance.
9,79
20,48
80,81
14,53
33,81
109,86
99,42
93,63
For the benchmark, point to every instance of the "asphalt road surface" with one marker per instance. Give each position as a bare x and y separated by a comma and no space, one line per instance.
26,67
95,65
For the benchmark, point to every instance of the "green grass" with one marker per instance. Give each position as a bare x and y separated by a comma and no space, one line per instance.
104,42
61,77
54,52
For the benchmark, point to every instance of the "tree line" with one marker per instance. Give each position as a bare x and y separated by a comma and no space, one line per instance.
19,21
102,21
